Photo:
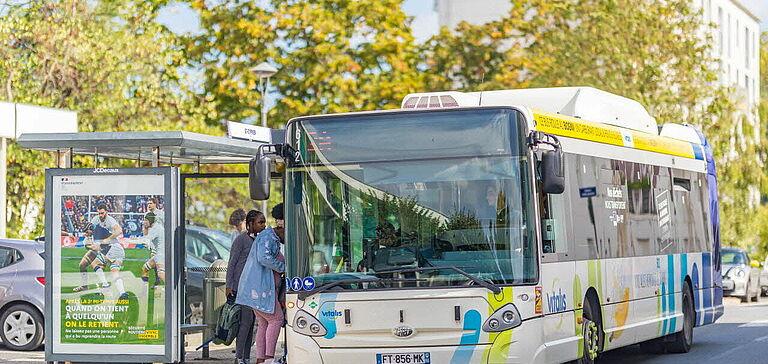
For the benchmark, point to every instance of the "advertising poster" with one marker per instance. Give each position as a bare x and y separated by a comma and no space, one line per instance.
109,264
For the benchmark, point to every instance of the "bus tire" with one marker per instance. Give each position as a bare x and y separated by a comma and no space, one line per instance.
682,341
654,346
592,332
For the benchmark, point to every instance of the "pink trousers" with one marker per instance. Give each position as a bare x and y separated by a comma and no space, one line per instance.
268,331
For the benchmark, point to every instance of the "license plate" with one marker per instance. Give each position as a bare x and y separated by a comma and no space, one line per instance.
404,358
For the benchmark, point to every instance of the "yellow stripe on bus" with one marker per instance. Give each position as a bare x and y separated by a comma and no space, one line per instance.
607,134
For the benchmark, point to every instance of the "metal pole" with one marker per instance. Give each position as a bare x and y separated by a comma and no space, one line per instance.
3,186
263,100
156,157
264,87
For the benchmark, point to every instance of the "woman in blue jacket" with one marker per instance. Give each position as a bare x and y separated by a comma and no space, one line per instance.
260,286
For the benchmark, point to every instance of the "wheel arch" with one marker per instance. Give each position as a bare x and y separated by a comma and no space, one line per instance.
10,304
688,280
594,299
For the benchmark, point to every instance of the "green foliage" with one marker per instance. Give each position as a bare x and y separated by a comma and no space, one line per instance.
415,222
332,56
112,64
462,220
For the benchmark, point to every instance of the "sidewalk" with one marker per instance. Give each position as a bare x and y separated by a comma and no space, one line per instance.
219,354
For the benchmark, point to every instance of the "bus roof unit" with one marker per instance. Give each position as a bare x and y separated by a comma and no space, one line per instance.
586,103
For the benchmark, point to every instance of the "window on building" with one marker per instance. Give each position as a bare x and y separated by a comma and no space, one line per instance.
720,27
746,47
746,87
729,37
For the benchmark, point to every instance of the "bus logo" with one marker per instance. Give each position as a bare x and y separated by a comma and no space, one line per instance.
556,302
403,331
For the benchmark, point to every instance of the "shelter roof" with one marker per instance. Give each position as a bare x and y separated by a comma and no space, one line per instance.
170,147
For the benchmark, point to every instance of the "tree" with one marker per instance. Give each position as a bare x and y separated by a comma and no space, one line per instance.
114,65
332,56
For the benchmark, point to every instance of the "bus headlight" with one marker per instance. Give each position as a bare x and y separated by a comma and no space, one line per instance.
306,324
508,317
505,318
740,273
314,328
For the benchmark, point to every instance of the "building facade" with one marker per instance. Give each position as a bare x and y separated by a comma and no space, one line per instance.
735,33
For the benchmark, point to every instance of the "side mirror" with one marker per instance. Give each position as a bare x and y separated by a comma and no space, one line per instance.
259,177
552,174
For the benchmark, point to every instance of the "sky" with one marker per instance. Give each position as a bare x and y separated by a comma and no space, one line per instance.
181,19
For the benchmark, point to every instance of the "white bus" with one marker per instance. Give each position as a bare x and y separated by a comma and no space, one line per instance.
516,226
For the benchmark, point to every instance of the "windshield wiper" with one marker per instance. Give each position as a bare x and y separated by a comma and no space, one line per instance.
304,294
489,285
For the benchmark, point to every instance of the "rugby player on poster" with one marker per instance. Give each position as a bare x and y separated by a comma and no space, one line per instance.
155,235
107,249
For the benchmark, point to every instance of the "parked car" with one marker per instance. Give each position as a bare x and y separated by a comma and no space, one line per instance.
207,244
741,277
22,293
203,247
764,278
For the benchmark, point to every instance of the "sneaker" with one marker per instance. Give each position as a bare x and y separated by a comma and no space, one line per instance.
106,285
79,288
123,296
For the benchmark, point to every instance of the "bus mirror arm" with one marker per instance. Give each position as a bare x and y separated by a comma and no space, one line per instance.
551,166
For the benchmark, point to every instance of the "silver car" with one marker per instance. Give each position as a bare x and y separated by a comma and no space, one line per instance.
740,276
22,294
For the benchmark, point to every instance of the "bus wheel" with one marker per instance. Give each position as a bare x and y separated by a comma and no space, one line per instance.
684,339
591,329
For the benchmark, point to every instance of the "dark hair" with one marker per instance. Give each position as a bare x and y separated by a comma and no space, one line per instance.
101,207
237,217
252,216
277,212
153,200
150,216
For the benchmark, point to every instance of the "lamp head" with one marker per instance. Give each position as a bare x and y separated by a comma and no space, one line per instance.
263,70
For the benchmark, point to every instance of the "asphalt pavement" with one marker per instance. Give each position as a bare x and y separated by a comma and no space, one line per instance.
740,336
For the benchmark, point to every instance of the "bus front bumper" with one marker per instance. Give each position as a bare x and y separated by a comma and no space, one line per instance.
504,349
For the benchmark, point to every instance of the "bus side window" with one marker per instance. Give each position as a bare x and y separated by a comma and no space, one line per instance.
582,190
553,225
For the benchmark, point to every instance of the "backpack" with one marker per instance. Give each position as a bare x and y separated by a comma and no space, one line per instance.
227,325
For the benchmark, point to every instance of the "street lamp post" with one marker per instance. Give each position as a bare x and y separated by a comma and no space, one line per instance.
264,71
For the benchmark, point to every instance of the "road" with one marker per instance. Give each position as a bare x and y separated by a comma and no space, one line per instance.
740,336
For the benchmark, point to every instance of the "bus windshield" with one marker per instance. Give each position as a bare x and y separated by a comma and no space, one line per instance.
374,198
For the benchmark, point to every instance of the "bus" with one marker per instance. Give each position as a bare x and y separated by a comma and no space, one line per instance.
511,226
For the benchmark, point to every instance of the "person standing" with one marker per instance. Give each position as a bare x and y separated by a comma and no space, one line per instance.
237,222
254,222
261,284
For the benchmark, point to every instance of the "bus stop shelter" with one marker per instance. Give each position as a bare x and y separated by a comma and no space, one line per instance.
132,153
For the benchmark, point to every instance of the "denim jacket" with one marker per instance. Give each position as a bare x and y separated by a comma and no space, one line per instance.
257,282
